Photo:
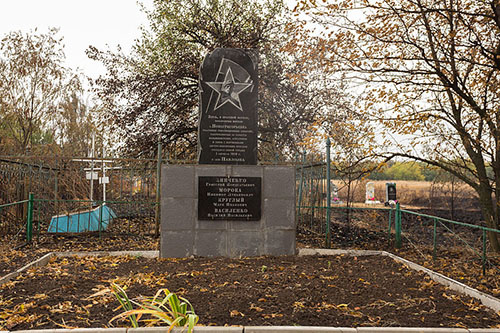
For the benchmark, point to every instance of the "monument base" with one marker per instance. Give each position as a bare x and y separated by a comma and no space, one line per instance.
372,202
183,234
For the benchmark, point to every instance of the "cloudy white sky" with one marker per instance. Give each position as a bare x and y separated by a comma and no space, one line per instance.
81,22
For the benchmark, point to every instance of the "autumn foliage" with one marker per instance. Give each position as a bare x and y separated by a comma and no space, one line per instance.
427,73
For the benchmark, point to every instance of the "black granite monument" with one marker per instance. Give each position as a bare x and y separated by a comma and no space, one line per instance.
228,108
390,192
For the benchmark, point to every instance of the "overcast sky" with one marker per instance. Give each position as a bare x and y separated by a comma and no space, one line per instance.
81,22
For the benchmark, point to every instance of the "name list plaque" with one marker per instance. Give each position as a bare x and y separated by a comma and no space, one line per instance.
229,198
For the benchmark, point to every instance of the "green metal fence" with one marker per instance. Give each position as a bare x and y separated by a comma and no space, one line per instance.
135,198
61,185
447,225
132,219
318,211
7,216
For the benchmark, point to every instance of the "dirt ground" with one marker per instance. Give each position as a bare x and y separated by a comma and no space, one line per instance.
327,291
319,291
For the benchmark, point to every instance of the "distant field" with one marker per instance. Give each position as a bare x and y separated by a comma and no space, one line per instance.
416,193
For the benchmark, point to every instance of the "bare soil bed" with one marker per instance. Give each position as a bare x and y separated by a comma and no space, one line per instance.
453,258
14,256
319,291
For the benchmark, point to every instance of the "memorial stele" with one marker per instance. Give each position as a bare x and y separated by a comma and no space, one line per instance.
227,204
227,132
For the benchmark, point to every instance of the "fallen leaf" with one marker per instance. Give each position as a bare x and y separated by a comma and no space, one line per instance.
235,313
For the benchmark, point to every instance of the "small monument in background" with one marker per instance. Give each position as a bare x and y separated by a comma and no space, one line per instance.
335,194
227,205
390,194
370,194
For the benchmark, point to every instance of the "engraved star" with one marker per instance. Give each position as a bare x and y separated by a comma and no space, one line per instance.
229,90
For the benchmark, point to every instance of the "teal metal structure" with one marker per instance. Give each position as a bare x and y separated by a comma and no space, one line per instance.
96,219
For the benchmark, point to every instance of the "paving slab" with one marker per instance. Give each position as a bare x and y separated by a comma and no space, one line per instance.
296,329
197,329
411,330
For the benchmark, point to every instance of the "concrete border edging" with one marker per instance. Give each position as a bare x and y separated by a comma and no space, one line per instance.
270,329
297,329
37,263
336,252
46,258
145,254
487,300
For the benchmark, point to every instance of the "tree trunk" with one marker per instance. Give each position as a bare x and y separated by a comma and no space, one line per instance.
452,203
488,210
348,215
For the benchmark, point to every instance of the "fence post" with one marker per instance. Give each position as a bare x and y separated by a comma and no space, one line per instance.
398,225
300,184
56,181
100,217
390,225
158,191
434,240
328,194
484,252
29,221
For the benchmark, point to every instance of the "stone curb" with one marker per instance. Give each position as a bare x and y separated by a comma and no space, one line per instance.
270,329
37,263
487,300
144,254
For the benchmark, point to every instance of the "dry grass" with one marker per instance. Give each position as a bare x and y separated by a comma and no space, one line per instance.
412,193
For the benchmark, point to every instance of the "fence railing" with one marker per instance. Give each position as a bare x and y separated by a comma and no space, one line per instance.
18,204
313,195
443,222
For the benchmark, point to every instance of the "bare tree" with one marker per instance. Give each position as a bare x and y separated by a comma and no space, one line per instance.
32,83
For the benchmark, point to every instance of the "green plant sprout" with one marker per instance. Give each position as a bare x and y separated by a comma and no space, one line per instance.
170,309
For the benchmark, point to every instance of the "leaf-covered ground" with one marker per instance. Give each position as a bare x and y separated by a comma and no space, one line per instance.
291,290
234,291
456,261
13,258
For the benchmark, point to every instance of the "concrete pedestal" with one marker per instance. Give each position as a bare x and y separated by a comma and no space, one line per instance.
183,235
